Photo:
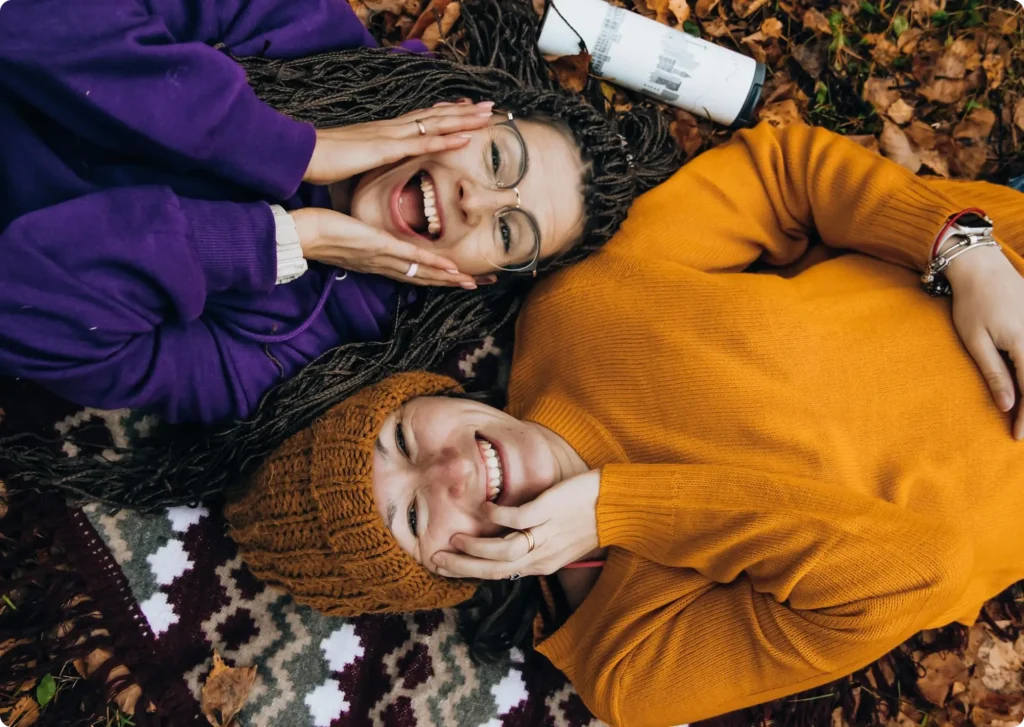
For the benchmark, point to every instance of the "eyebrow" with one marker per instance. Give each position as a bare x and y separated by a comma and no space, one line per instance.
392,510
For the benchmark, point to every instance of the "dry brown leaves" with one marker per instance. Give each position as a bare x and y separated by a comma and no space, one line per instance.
859,66
226,692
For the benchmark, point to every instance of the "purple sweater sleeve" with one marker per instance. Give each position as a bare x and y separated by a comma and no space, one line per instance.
142,78
101,298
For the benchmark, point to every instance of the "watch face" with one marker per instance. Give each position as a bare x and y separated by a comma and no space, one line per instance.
972,219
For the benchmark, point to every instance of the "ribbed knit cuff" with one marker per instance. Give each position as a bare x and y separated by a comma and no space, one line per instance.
290,262
909,218
235,244
636,509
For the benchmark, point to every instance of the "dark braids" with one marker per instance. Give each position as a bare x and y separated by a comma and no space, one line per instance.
189,464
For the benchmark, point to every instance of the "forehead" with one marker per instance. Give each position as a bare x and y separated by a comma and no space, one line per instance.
552,190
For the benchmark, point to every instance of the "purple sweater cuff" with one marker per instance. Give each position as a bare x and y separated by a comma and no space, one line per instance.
234,243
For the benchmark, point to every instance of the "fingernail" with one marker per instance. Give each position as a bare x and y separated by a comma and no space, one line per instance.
442,103
443,572
486,104
452,271
465,136
468,286
1004,402
484,115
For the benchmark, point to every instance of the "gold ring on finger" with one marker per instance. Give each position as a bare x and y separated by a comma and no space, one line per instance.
421,126
529,539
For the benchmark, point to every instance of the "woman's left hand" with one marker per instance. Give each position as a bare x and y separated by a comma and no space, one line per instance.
345,151
988,311
562,520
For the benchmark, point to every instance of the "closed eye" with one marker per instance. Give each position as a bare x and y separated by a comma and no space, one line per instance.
495,158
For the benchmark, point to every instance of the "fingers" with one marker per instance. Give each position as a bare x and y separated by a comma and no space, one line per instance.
993,368
1017,356
459,565
525,516
510,548
442,109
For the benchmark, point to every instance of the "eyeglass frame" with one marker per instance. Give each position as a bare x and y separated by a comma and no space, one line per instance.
529,268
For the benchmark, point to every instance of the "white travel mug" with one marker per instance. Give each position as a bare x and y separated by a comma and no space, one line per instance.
647,56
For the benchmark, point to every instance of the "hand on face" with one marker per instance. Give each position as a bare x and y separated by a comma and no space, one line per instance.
562,520
988,312
344,152
342,241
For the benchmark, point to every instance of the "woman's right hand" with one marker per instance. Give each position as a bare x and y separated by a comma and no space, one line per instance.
336,239
345,151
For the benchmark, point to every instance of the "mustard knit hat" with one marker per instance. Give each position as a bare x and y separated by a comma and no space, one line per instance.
308,522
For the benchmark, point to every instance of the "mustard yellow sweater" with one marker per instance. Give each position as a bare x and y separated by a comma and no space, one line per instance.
798,471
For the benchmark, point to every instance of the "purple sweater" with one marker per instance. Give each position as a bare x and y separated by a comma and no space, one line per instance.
137,246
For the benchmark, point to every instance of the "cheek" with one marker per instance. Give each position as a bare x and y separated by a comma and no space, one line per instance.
470,252
453,522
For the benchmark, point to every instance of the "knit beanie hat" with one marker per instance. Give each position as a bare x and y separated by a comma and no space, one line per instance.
308,522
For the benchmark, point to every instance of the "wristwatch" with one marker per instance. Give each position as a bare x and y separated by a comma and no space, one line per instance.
964,233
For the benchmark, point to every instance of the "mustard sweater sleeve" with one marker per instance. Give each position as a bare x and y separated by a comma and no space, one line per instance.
791,583
768,190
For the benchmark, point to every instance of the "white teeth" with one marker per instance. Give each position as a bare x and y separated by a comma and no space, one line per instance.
430,205
495,476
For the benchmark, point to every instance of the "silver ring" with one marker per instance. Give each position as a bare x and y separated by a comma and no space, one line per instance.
515,576
413,269
421,127
529,539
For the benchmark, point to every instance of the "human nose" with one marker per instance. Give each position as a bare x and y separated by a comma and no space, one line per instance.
476,200
450,476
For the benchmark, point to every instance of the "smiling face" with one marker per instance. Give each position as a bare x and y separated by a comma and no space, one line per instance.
446,202
439,459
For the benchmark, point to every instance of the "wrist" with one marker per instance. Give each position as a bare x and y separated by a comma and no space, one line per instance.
978,263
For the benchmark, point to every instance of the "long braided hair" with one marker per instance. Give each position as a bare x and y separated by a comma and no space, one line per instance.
189,464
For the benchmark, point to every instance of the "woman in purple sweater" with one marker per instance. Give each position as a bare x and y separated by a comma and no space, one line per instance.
173,242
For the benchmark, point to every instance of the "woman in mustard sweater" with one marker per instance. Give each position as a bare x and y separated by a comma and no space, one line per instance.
777,478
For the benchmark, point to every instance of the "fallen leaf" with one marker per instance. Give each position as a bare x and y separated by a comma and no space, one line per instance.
781,114
900,112
1018,114
938,672
24,713
226,691
686,132
381,6
923,135
538,7
753,44
884,52
772,28
944,90
976,126
681,10
995,67
923,10
957,59
937,161
815,20
439,30
880,93
704,7
660,9
812,57
968,160
715,27
572,72
434,10
746,8
1003,22
908,40
867,141
896,145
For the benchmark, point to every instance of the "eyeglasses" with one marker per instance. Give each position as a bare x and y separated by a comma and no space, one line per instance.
516,233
